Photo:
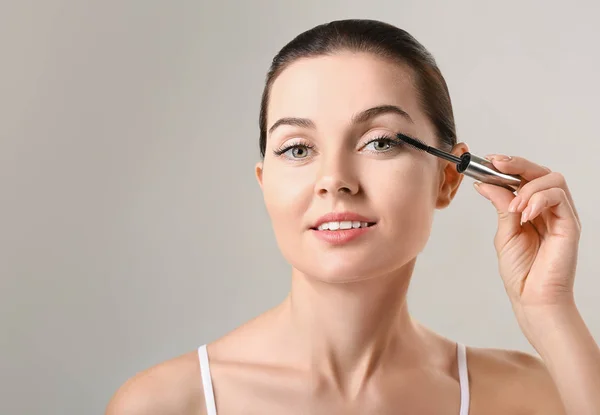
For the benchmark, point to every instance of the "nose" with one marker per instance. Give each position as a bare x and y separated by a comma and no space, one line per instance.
336,176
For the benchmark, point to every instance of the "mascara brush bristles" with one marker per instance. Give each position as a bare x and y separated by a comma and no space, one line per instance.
419,145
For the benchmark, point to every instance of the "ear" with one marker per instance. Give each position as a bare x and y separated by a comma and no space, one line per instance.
258,170
450,178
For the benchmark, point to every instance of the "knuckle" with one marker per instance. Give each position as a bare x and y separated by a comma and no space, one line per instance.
502,215
525,191
560,193
537,197
560,179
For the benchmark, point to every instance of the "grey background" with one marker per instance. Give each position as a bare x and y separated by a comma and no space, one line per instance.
131,226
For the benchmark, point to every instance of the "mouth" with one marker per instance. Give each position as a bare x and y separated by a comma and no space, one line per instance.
342,225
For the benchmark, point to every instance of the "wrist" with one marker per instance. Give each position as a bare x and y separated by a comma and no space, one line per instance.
551,326
551,310
539,313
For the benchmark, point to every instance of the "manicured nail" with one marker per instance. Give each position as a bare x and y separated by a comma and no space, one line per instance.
502,158
525,215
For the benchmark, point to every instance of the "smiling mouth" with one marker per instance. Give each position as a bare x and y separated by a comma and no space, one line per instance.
343,225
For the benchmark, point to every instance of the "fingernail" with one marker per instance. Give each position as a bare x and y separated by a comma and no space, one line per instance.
477,186
502,158
525,215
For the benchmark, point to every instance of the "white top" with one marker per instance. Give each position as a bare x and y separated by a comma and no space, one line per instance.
463,377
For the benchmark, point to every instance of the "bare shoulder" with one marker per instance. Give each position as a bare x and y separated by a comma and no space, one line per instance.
512,381
172,387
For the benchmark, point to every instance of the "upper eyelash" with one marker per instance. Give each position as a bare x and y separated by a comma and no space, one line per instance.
286,147
393,140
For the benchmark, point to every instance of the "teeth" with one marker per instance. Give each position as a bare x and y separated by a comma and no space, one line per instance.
334,226
346,225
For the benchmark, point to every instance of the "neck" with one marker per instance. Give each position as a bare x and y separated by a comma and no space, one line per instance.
349,330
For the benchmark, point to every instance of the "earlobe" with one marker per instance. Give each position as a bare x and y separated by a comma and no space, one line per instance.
258,170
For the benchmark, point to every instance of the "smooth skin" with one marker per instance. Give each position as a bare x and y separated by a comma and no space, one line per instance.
343,341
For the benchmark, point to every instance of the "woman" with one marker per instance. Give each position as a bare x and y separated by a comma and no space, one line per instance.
343,341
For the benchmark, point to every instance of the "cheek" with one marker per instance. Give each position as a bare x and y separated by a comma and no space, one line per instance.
287,194
410,209
408,187
406,202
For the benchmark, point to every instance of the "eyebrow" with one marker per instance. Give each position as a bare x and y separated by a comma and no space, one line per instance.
359,118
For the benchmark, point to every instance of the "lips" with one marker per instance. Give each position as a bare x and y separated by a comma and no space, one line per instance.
341,236
341,220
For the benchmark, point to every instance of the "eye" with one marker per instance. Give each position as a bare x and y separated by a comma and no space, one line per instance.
298,152
382,144
294,151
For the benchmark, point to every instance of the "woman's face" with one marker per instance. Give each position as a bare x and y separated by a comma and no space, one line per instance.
325,154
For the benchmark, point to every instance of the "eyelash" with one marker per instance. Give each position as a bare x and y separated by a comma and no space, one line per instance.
281,150
392,141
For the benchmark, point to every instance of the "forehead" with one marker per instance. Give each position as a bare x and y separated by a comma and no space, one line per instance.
333,88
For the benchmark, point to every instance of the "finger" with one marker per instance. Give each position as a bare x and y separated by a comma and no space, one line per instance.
548,181
530,188
528,170
554,199
509,223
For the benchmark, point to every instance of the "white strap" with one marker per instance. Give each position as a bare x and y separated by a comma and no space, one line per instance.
463,376
209,395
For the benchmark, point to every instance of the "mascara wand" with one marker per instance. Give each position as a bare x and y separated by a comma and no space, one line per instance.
470,165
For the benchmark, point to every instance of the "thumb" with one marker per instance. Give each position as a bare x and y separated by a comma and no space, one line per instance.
508,223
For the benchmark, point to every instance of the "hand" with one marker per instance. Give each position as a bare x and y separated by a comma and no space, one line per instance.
537,258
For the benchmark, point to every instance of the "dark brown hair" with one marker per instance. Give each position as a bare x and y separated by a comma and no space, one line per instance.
381,39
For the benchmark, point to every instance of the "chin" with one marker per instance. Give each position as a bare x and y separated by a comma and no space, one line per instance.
353,262
340,269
